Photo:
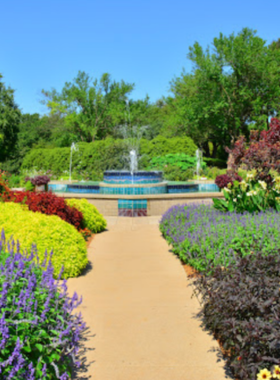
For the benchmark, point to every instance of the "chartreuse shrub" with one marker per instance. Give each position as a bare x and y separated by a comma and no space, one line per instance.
92,219
39,332
205,237
48,232
241,306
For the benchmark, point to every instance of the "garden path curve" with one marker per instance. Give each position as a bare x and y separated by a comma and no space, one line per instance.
137,302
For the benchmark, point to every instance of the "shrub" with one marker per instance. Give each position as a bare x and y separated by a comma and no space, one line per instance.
262,153
241,306
250,195
181,160
224,180
39,180
49,204
39,332
174,173
4,188
92,159
213,172
221,164
204,237
92,219
47,232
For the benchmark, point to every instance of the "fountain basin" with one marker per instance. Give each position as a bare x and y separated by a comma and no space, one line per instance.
125,177
133,188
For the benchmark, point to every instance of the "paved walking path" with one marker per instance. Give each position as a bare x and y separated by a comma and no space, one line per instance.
138,306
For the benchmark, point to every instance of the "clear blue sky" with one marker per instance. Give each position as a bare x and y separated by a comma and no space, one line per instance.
43,43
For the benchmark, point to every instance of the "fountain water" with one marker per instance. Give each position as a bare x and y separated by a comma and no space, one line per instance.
73,148
198,154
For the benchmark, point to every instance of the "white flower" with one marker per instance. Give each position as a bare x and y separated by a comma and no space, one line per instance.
252,192
227,190
235,200
250,176
263,184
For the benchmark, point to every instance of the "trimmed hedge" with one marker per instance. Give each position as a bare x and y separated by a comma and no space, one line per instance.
92,219
48,232
92,159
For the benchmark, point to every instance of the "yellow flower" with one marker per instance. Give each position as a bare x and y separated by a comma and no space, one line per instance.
276,372
264,374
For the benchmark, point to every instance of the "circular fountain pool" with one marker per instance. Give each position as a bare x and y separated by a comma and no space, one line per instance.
141,194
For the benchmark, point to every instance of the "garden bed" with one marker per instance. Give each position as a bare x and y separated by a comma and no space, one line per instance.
234,261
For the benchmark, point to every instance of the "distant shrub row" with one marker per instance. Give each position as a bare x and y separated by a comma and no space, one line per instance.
92,159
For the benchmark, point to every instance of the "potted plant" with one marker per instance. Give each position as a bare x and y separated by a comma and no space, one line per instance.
40,182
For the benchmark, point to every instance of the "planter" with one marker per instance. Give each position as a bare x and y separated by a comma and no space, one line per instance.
41,188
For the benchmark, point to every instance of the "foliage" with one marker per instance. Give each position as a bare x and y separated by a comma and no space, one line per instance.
224,180
250,195
174,173
182,160
213,172
205,237
48,232
39,180
244,315
92,159
91,108
92,219
28,186
39,332
49,204
232,85
9,121
262,153
215,162
4,188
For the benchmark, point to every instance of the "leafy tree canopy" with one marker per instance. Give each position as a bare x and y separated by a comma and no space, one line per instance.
233,85
91,108
9,121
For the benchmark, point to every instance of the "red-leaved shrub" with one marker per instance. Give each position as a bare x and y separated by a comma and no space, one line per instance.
262,153
223,180
47,203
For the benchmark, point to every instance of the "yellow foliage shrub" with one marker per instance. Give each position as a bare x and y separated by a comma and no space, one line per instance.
48,232
92,218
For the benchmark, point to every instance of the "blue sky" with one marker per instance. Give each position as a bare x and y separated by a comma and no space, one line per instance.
43,43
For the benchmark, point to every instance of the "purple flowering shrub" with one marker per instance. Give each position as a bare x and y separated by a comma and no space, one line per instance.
241,306
204,237
39,334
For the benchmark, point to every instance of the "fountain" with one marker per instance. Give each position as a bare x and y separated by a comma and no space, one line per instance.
132,188
198,155
73,148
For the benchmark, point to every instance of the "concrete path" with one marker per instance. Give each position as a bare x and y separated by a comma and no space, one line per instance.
138,306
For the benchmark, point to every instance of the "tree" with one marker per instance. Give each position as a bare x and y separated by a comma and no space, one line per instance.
9,121
232,86
91,108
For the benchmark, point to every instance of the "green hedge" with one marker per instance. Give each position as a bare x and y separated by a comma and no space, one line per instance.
92,159
48,232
